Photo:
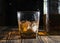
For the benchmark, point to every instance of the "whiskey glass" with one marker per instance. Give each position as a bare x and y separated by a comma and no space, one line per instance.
28,23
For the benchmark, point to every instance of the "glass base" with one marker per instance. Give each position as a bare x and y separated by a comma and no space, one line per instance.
28,36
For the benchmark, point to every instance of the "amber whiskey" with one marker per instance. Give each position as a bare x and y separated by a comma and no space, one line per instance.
28,29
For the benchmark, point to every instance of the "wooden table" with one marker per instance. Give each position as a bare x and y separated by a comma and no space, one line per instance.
40,39
5,37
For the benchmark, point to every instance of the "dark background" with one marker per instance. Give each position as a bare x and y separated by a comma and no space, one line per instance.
9,8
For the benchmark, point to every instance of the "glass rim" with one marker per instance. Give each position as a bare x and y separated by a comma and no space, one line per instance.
28,11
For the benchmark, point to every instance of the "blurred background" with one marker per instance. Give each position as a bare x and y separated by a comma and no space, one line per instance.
49,12
9,8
